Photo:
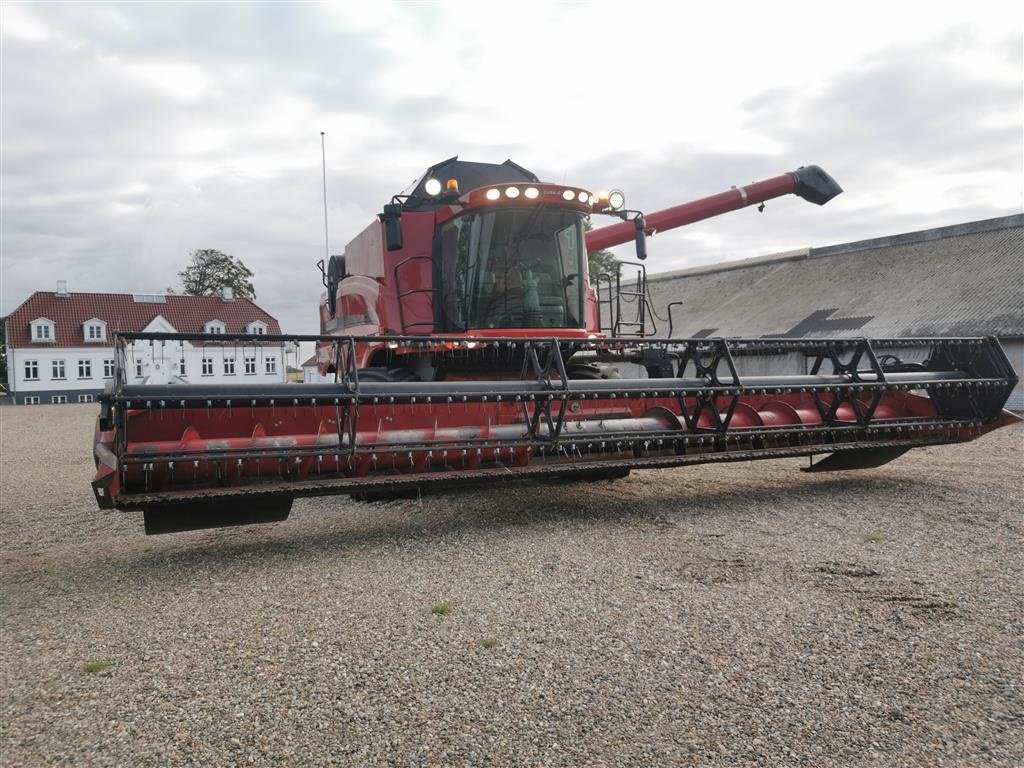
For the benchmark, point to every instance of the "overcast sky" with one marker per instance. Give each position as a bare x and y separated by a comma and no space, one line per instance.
133,134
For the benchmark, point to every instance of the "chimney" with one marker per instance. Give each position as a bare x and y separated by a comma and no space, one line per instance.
227,294
62,287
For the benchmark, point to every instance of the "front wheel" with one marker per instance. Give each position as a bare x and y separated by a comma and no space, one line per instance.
382,373
592,371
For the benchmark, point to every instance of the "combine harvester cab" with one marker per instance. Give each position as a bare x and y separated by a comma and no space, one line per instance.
467,345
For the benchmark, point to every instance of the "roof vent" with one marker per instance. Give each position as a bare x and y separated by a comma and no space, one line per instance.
62,287
227,294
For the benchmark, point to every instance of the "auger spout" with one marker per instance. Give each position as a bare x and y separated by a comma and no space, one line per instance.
808,182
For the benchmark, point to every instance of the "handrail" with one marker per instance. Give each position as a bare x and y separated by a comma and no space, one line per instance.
402,294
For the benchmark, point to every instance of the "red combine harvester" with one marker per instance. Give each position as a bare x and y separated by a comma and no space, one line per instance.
468,345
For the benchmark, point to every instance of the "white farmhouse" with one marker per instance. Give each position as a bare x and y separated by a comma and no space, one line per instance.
311,372
60,345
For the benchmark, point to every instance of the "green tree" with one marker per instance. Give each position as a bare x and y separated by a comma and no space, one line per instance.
211,271
601,262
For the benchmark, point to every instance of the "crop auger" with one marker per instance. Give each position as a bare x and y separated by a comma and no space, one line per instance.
468,345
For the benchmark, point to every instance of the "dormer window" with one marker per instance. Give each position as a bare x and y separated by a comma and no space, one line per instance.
94,330
257,327
214,326
43,329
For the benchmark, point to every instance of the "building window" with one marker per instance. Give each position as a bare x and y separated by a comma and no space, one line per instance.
138,369
181,367
250,366
31,370
94,332
207,366
85,398
229,366
58,399
108,369
271,364
43,332
57,369
30,400
214,326
85,369
257,327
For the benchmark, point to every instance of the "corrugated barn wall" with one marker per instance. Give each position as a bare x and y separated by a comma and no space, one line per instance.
962,280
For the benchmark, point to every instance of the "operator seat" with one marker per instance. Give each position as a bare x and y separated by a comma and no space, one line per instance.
539,256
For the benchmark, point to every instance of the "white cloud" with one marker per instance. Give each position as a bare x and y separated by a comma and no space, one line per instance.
179,80
18,23
133,134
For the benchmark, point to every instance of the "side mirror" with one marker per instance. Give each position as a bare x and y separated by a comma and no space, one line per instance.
335,273
640,237
392,218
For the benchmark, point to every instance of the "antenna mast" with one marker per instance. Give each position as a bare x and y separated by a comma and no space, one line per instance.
323,158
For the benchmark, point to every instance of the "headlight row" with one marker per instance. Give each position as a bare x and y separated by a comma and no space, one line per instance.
614,200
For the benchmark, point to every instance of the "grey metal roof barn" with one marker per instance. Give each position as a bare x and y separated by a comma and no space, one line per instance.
962,280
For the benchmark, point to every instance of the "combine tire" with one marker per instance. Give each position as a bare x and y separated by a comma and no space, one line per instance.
591,371
386,374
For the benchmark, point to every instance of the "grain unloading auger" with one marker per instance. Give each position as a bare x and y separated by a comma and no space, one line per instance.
467,346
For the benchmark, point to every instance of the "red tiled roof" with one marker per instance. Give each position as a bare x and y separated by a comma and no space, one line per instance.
120,311
311,363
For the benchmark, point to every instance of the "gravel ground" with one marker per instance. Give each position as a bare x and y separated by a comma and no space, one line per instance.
721,615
